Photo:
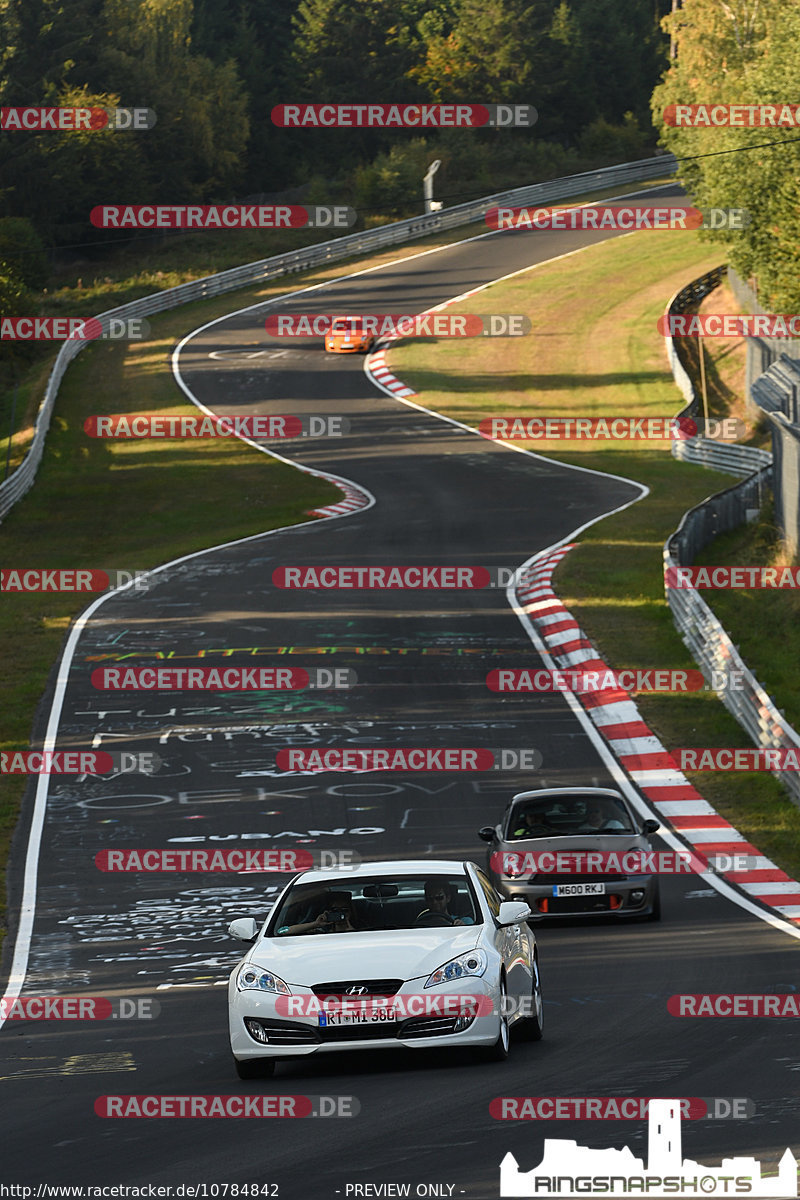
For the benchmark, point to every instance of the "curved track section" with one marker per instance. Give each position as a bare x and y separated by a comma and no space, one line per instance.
443,496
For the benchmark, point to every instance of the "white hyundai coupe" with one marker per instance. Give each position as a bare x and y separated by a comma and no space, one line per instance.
388,954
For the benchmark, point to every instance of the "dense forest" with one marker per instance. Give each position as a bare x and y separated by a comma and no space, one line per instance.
599,73
213,69
744,52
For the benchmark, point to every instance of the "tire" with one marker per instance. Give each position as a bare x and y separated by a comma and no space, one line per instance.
499,1051
531,1028
254,1068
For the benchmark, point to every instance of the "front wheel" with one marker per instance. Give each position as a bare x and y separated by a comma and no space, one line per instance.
254,1068
499,1051
532,1027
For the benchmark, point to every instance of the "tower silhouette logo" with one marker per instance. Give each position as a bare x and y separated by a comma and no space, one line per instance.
568,1169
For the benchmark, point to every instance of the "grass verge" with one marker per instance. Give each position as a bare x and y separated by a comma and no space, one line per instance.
595,351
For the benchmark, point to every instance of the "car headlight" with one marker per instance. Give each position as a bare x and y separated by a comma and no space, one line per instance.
257,979
474,962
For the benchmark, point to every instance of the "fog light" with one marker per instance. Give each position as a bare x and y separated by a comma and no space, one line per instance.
463,1022
256,1030
637,896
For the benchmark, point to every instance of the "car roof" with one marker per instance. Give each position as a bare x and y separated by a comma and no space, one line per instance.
416,866
544,793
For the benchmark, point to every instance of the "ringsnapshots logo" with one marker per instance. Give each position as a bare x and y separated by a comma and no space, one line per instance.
69,579
73,120
404,116
611,217
726,116
259,427
567,1169
73,329
398,325
222,216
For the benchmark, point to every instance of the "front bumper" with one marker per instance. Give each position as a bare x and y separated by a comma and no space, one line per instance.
301,1036
631,896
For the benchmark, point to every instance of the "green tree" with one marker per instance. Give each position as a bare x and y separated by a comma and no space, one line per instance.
742,53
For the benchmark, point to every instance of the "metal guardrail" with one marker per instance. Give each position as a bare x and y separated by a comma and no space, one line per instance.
777,396
700,630
312,256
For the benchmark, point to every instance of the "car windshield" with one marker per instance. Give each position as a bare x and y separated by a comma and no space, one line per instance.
559,816
376,903
347,325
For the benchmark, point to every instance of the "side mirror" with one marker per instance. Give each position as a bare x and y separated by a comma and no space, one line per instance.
244,929
651,826
512,912
487,833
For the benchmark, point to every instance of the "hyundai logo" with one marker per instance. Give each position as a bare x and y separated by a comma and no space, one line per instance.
357,990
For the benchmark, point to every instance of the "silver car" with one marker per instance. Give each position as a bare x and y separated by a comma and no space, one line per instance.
522,856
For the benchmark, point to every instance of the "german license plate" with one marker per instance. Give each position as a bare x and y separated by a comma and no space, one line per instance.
579,889
377,1016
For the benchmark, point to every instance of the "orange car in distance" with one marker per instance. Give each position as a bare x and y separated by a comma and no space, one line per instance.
346,336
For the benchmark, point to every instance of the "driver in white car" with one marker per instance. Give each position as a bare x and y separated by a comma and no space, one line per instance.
438,895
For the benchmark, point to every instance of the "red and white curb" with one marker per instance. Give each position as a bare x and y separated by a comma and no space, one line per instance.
354,498
639,751
376,369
